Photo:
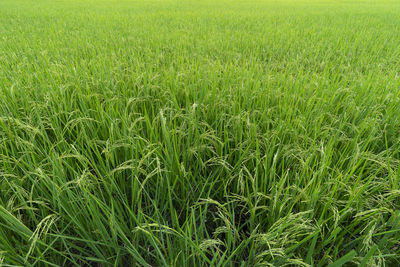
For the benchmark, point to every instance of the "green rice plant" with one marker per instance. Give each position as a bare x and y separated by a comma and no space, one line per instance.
199,133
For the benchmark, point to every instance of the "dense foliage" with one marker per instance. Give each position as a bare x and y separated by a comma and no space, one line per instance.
199,133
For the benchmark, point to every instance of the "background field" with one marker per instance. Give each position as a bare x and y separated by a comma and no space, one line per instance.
199,133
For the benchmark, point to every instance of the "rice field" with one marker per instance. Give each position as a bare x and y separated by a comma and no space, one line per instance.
199,133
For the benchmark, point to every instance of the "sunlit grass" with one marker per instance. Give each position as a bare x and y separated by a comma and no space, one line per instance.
199,133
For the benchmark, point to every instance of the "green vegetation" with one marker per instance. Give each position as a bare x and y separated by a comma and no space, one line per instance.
199,133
